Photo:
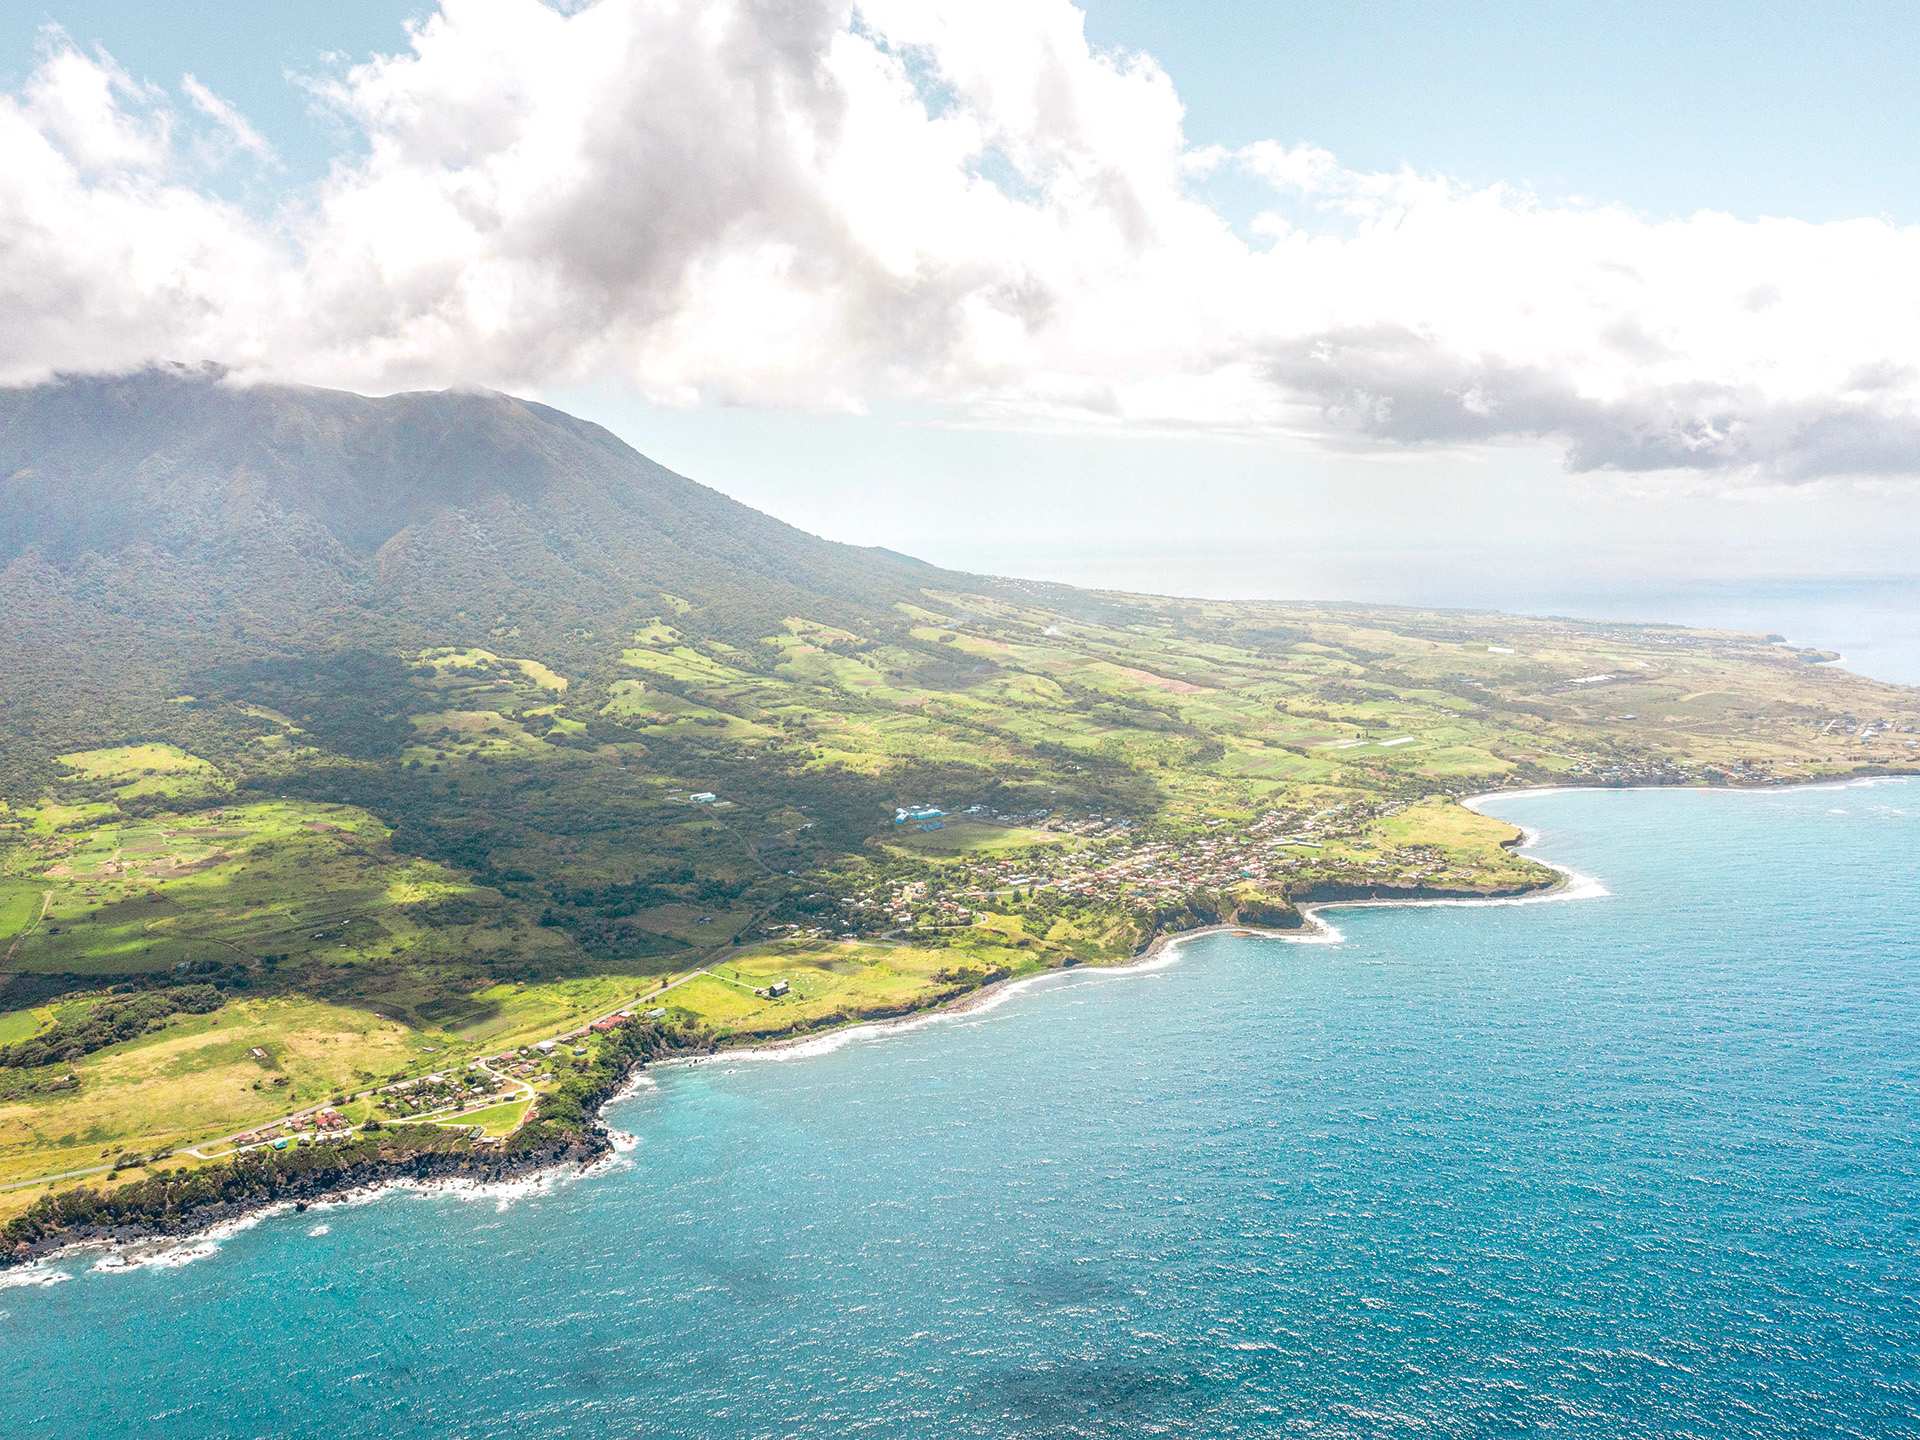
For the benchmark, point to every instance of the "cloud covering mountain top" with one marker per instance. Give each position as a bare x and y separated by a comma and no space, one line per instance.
966,207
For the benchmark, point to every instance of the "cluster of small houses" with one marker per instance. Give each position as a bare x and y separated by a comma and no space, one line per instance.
1270,848
437,1091
326,1124
441,1091
529,1058
1868,731
1169,868
1652,772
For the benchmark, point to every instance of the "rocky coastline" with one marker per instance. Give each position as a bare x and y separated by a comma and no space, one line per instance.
177,1205
550,1148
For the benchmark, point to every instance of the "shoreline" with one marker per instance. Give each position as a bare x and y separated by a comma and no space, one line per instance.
195,1234
1569,884
506,1173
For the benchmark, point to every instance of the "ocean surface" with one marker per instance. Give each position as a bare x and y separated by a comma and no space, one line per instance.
1640,1164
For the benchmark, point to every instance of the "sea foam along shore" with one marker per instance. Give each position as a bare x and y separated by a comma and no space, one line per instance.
1571,885
1314,930
170,1251
194,1233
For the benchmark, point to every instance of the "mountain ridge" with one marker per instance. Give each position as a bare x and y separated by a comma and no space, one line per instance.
369,472
171,520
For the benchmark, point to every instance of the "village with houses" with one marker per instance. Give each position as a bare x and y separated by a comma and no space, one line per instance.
488,1098
1097,859
1145,868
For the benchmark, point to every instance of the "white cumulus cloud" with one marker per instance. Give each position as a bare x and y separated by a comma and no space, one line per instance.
809,203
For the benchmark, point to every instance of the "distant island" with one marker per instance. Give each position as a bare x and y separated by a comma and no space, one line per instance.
382,781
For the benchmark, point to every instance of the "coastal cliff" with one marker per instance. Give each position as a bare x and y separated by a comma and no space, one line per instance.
569,1132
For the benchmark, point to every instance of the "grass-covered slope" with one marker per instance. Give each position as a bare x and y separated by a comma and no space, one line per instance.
154,527
420,730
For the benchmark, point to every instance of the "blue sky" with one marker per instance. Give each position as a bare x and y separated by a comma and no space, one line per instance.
1758,108
1464,319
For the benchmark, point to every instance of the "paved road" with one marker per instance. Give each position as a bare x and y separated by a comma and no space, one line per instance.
49,1179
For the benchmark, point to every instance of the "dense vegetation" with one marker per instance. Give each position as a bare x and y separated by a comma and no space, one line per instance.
94,1025
177,1198
157,528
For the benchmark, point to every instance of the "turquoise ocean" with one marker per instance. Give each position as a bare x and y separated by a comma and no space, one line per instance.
1645,1163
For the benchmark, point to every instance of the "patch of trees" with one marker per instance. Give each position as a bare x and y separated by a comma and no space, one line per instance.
571,1105
169,1201
971,977
1124,708
616,899
1269,641
1199,909
456,910
355,703
108,1022
607,939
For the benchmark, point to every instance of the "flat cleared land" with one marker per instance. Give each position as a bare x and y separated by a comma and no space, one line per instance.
961,837
502,1119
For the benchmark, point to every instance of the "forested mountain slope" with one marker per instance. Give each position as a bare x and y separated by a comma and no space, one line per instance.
156,524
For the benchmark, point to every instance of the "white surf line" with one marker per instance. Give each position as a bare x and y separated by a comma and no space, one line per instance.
1572,885
170,1252
34,1273
1791,787
1158,956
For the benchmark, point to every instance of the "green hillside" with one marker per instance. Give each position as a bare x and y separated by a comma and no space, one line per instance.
156,527
422,727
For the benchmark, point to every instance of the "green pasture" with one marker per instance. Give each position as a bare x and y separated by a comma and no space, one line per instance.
494,1120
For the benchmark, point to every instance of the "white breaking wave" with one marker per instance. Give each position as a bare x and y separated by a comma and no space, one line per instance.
40,1273
640,1080
1317,931
171,1254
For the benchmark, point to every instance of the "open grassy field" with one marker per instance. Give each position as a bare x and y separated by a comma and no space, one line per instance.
199,1077
828,983
19,1024
502,1119
136,771
962,837
294,889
